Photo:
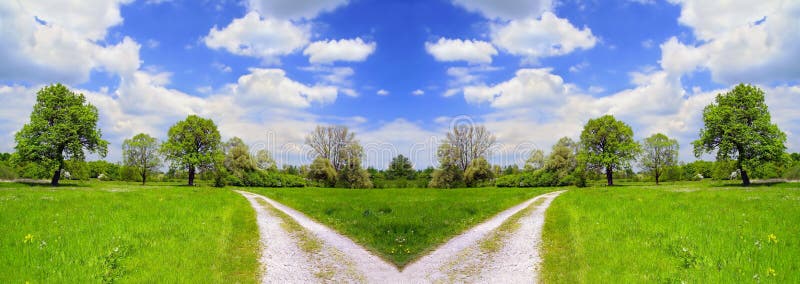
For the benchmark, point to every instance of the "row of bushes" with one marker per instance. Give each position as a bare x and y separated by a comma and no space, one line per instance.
265,179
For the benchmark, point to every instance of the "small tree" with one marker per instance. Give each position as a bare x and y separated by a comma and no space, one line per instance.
449,173
738,126
478,171
193,144
238,160
140,153
62,125
352,174
563,158
321,170
535,161
659,153
400,167
264,161
607,143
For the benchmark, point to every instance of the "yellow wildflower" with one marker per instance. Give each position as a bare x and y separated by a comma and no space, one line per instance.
772,238
771,272
28,238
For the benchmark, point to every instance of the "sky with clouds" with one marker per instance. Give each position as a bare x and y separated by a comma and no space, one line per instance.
399,73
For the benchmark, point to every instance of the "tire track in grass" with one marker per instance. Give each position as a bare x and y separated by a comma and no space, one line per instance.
514,234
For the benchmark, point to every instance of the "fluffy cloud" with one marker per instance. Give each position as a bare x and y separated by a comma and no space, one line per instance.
472,51
742,41
418,92
42,43
266,38
506,9
382,92
528,87
294,9
339,50
543,37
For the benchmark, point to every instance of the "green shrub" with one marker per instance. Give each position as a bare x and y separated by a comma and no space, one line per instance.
7,172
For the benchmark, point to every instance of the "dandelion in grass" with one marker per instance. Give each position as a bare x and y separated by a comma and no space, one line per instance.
772,238
771,272
28,238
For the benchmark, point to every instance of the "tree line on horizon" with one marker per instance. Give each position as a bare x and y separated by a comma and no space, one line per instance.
63,128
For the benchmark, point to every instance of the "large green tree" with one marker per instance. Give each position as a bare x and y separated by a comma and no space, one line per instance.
141,154
193,144
62,125
659,153
738,126
607,144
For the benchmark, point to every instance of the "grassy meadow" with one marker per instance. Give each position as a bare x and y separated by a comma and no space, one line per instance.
118,232
401,224
693,232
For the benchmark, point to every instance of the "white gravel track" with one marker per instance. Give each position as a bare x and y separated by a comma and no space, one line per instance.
458,260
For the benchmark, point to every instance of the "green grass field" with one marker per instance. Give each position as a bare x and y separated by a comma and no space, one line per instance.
104,232
401,224
691,232
686,232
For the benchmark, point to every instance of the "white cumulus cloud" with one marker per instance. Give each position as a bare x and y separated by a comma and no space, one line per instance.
339,50
472,51
266,38
543,37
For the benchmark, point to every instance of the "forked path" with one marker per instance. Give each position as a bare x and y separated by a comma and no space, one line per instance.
458,260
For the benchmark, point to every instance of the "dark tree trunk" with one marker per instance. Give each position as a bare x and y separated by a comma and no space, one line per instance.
144,177
745,178
657,175
191,175
57,174
610,175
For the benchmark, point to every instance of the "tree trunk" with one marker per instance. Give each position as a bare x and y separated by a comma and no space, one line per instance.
745,178
191,175
144,177
57,174
657,175
610,175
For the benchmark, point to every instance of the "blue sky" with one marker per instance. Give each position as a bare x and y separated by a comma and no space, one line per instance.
399,72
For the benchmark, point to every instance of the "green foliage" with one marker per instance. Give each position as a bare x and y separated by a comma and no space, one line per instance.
563,158
128,233
352,175
108,171
193,144
322,171
265,162
738,127
659,154
400,168
703,168
400,225
478,171
140,154
607,144
62,125
535,161
7,172
77,170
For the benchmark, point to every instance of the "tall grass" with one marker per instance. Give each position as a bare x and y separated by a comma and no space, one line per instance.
401,224
690,232
117,232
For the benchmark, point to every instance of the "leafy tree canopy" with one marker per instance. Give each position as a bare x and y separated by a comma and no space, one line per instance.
62,125
738,126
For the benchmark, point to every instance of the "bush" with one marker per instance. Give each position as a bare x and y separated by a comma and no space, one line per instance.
792,173
7,172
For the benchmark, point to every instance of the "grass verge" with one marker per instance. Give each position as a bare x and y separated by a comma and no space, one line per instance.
692,232
118,232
